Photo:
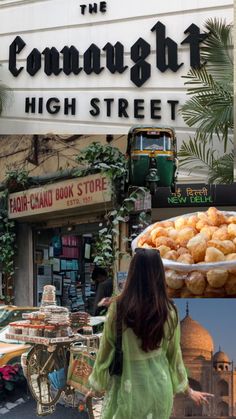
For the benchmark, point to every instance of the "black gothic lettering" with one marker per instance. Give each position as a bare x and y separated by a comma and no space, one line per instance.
92,59
108,103
194,39
173,104
52,61
30,105
155,108
163,44
15,48
96,110
71,60
138,106
69,106
141,71
33,62
122,106
115,57
51,107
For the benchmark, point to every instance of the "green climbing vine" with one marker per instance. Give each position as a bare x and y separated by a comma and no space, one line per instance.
102,158
7,251
106,250
99,158
110,161
15,180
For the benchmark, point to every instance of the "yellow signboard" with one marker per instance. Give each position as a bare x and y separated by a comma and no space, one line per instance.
68,194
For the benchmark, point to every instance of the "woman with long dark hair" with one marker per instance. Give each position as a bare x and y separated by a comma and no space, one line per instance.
153,369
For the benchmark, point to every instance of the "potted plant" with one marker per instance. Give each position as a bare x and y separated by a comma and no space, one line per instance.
11,380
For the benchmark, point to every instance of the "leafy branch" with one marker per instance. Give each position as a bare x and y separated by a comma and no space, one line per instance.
210,108
105,252
16,179
102,158
7,246
200,156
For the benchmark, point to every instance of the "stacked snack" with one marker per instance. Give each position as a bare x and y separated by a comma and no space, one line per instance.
59,319
79,319
50,321
87,330
49,296
198,251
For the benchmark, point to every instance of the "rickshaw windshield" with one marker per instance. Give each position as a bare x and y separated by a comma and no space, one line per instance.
158,142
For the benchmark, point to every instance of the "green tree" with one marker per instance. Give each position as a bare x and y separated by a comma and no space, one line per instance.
210,108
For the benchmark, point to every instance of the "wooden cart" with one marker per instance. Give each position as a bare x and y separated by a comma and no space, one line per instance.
49,358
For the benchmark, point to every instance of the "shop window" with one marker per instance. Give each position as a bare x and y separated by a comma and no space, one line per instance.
64,257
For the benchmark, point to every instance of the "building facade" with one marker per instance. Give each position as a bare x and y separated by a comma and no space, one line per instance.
207,371
46,158
102,67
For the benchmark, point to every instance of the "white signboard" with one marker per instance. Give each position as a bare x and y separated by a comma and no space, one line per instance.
56,197
99,67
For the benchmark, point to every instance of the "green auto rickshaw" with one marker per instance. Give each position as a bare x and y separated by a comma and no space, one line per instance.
152,155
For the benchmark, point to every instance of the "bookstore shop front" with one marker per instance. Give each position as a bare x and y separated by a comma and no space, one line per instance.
57,228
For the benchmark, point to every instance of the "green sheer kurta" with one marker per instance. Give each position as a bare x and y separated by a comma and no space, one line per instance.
149,380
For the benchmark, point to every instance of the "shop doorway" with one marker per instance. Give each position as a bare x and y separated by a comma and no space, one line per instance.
63,257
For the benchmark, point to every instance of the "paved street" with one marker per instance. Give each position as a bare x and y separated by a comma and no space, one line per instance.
26,408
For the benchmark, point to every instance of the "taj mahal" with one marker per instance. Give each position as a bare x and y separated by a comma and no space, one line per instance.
208,371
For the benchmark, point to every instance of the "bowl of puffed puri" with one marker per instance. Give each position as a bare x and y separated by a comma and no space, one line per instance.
198,251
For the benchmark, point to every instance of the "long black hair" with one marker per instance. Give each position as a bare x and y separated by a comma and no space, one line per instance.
144,304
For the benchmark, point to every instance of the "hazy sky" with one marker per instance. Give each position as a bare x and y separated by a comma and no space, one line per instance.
218,316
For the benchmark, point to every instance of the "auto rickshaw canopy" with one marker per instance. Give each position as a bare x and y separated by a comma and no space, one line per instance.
151,138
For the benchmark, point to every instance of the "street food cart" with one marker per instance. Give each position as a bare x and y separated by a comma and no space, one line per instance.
60,360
